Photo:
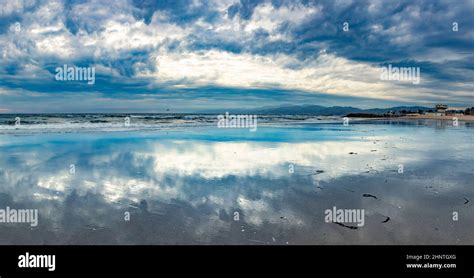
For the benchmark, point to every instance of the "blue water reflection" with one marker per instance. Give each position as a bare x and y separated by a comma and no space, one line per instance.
186,186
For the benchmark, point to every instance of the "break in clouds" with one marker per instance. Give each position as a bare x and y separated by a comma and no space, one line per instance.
149,56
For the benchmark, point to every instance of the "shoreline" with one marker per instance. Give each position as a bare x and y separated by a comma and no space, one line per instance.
464,118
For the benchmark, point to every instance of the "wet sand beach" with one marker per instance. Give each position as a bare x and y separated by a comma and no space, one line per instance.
205,185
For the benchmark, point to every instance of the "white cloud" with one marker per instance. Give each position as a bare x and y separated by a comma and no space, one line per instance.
106,36
326,73
9,7
269,18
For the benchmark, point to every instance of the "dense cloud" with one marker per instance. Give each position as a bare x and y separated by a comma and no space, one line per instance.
205,55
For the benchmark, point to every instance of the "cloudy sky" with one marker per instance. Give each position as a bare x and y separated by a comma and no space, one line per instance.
193,55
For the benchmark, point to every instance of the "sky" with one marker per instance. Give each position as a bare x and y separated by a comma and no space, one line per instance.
194,56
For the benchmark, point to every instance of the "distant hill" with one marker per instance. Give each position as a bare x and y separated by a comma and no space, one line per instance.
318,110
333,110
309,110
398,109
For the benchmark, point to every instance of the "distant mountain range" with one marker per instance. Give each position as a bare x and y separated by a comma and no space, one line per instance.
323,110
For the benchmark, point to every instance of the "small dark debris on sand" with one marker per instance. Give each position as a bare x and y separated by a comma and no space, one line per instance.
346,226
317,172
369,195
352,153
467,201
373,150
386,220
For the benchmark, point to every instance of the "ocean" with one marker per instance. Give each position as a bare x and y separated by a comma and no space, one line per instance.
178,179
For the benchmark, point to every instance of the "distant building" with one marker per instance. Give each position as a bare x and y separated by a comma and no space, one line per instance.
469,111
441,109
451,113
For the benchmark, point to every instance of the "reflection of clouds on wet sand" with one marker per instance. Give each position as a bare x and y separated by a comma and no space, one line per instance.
193,188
